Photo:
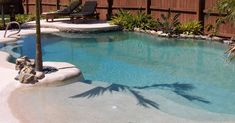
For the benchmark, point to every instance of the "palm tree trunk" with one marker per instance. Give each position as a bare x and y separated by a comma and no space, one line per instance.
38,60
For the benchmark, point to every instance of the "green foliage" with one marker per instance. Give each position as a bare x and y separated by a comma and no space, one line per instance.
169,24
19,18
1,24
190,28
24,18
123,18
144,21
212,29
130,21
226,7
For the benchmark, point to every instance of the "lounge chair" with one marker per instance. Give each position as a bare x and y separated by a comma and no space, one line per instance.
87,11
65,12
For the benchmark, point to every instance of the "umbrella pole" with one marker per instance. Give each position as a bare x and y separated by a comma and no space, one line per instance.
3,17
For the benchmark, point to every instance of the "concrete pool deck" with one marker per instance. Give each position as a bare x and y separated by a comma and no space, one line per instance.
98,110
7,82
65,25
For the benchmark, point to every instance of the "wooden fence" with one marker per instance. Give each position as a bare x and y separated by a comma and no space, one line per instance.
189,9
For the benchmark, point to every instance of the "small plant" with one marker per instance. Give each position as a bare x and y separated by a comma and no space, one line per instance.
144,21
1,24
19,18
24,18
212,29
123,18
130,21
190,28
169,24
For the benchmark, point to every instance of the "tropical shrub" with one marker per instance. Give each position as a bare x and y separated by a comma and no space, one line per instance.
144,21
190,28
212,29
123,18
1,24
22,18
130,21
169,24
226,8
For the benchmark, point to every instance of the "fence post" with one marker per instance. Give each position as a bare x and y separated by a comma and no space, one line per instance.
40,4
58,4
200,12
147,7
110,9
27,6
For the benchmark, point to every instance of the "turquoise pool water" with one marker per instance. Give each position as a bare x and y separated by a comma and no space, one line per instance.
188,72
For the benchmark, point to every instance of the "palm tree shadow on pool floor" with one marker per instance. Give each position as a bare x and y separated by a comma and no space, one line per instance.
178,88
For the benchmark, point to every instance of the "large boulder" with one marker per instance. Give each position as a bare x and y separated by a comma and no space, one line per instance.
27,78
23,61
27,73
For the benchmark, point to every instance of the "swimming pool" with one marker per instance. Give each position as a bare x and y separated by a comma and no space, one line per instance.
187,72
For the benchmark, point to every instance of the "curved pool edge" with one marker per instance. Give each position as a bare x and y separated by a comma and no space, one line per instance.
8,84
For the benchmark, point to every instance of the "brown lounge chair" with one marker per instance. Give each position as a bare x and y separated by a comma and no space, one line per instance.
88,11
65,12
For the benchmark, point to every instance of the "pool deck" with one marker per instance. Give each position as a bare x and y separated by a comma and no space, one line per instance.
100,110
8,72
65,25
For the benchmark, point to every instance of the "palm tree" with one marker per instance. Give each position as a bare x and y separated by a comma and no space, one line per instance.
227,7
38,59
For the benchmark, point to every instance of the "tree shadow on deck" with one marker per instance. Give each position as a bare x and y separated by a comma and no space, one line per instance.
177,88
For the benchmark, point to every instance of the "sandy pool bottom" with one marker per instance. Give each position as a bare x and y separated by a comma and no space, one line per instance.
53,104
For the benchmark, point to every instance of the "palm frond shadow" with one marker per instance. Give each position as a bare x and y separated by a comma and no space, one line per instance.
97,91
179,89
